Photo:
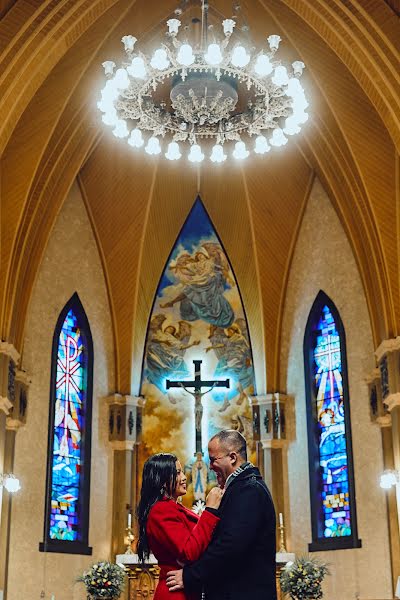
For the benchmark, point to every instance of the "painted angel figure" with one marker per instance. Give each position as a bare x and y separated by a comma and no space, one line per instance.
203,277
166,349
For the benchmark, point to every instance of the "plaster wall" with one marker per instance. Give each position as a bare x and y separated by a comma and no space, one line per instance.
71,264
323,260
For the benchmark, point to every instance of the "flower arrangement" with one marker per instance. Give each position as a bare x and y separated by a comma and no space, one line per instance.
302,578
103,580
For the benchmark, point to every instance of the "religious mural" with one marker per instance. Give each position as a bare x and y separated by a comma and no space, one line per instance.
198,368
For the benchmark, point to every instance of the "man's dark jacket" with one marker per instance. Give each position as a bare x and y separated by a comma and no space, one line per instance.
239,563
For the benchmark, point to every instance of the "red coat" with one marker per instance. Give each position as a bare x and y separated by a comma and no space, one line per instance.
177,534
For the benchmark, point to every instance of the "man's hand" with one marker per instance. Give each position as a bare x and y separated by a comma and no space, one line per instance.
175,580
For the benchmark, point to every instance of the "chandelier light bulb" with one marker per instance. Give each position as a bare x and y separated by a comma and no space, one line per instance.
160,60
261,146
280,76
291,126
173,26
173,152
298,67
263,66
121,129
110,118
240,151
229,26
278,138
153,146
214,55
11,483
274,41
240,58
137,68
121,79
129,42
195,154
185,55
218,155
300,117
294,88
108,66
136,139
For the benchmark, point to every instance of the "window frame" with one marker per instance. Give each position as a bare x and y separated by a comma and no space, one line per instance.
320,543
68,546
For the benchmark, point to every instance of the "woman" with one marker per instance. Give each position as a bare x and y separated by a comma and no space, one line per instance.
174,534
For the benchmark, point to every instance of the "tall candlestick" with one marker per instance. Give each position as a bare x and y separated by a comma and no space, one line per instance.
129,520
281,519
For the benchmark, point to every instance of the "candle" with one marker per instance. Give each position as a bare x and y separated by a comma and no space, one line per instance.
280,519
129,520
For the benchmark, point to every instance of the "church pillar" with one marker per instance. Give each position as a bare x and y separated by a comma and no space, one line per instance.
384,398
124,420
9,404
270,430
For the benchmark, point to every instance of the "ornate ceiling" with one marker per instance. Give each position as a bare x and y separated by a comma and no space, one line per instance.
50,134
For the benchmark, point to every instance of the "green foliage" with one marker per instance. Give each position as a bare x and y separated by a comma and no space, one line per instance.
104,580
302,579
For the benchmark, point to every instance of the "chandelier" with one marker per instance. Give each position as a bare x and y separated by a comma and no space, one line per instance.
216,89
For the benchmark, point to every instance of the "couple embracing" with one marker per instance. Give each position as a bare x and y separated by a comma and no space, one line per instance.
228,553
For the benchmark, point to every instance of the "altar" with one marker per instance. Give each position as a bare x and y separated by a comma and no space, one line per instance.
143,578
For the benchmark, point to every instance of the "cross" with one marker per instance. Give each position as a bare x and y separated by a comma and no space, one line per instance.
198,384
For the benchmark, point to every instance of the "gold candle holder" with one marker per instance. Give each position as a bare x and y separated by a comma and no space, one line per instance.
282,547
129,540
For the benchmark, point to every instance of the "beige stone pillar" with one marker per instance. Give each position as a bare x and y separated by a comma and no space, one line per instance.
384,397
269,418
9,403
124,420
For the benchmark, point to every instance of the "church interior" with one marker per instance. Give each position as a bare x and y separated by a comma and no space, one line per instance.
148,303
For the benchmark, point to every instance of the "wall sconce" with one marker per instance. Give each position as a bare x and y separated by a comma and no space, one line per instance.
389,478
10,482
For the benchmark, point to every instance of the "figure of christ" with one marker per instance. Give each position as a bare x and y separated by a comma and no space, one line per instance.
165,350
202,278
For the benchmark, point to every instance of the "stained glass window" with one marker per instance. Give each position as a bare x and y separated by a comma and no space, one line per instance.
331,469
66,518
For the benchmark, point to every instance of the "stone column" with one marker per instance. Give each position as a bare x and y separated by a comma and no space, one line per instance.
9,359
125,423
384,397
269,418
14,421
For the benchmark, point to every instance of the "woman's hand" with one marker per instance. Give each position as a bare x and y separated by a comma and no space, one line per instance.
214,497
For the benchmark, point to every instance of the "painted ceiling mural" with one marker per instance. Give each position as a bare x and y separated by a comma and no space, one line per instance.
197,316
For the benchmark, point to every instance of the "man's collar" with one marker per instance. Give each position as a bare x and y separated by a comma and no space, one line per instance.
236,472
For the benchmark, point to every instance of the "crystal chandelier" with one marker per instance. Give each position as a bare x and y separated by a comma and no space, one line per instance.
219,89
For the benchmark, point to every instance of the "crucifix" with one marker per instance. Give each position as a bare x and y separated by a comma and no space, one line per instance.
198,384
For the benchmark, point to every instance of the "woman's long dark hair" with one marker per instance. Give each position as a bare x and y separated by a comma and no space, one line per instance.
159,478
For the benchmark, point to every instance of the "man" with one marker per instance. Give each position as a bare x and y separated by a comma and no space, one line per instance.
239,563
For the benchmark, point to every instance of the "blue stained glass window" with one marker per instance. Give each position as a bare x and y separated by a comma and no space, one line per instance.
333,510
67,507
331,428
68,422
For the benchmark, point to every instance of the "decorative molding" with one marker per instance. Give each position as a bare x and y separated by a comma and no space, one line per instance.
374,376
10,350
274,443
392,401
387,346
385,421
13,424
5,405
122,445
123,400
23,377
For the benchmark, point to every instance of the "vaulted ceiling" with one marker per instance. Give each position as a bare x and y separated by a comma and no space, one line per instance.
51,133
